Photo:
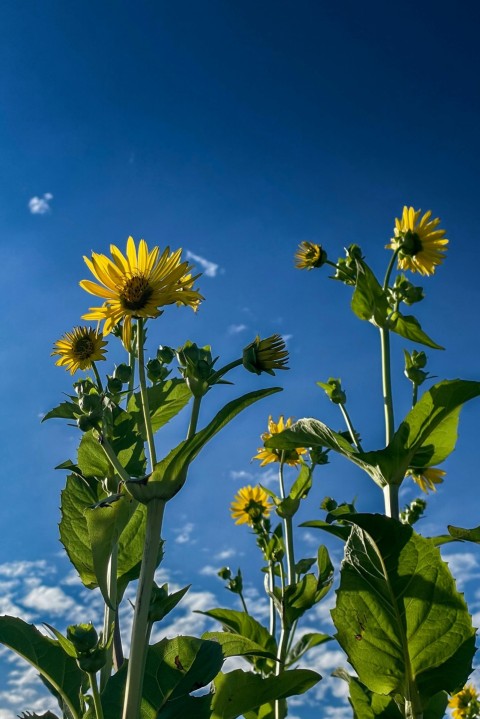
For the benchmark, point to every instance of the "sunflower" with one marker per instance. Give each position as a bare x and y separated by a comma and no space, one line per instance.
427,478
465,703
267,455
137,285
79,348
265,355
250,505
309,256
421,246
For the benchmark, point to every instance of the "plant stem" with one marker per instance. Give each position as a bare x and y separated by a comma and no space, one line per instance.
138,651
387,384
390,495
288,529
194,417
114,461
231,365
97,376
350,427
414,394
96,695
131,381
271,587
109,617
242,599
144,394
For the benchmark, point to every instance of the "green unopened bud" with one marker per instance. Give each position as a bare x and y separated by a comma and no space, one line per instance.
225,573
90,403
328,504
156,372
83,386
333,390
87,422
94,661
413,512
84,637
196,365
265,355
123,373
114,385
318,456
165,355
414,364
404,291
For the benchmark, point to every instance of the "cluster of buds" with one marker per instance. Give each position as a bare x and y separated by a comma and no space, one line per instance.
90,405
196,365
415,364
346,268
413,511
157,370
121,376
234,582
404,291
333,390
90,651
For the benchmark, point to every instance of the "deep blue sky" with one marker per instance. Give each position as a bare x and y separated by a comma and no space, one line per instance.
235,131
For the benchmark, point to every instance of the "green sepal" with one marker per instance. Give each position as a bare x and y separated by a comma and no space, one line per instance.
405,628
169,475
409,327
238,692
48,657
303,565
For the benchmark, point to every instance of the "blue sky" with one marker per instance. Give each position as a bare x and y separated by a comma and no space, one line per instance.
235,131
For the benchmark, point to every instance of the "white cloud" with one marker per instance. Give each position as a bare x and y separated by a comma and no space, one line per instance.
240,474
210,268
184,533
226,554
463,565
49,599
40,205
209,571
236,329
286,338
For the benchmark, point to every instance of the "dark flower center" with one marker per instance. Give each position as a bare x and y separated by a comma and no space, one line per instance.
136,293
84,348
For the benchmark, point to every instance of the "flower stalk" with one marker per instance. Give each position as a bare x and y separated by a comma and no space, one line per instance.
143,393
97,702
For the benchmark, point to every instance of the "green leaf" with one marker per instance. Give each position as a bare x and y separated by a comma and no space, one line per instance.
369,301
308,641
65,410
405,628
235,645
238,692
303,483
337,530
409,327
162,602
165,401
466,535
46,656
187,706
248,627
170,473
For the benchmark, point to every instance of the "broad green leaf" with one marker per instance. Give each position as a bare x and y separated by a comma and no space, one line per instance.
174,668
234,645
409,327
308,641
238,692
165,401
248,627
300,596
65,410
405,628
303,483
466,535
169,475
369,301
264,711
47,657
337,530
187,707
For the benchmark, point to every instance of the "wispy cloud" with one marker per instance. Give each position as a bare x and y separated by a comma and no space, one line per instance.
240,474
210,268
236,329
40,205
184,533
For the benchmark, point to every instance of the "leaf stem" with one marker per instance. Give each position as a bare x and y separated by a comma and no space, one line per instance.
138,652
144,393
348,422
113,459
109,617
96,695
242,599
97,376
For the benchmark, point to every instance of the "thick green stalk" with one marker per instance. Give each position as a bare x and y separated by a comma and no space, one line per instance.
144,394
97,703
387,385
390,496
288,529
131,382
271,586
138,650
113,459
192,427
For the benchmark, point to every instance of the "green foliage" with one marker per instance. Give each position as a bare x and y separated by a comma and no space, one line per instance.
465,535
165,401
307,642
405,628
46,656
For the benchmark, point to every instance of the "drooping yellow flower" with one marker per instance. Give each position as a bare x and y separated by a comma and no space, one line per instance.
427,478
267,455
250,505
79,348
421,244
309,256
138,284
465,703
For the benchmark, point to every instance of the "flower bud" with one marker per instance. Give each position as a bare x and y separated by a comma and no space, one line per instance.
114,385
165,355
84,637
87,422
265,355
310,256
94,661
333,390
196,366
225,573
90,403
123,372
156,372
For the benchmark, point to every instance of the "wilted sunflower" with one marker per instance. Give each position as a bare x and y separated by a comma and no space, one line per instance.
421,245
250,505
427,478
267,455
465,703
79,348
309,256
138,284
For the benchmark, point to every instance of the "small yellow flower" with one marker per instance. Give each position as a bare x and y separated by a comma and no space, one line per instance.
465,703
420,243
309,256
138,284
250,505
265,355
267,455
79,348
427,478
